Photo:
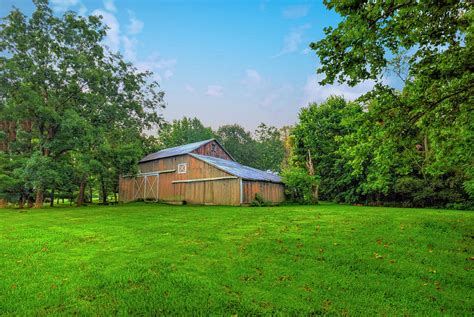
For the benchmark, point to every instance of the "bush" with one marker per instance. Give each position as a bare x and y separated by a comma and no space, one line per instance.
299,185
259,201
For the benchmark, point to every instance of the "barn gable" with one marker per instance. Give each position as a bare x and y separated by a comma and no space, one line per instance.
208,147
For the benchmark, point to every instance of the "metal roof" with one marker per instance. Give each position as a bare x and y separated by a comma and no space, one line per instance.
173,151
239,170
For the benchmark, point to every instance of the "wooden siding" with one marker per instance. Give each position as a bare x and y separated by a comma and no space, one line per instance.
217,191
126,189
271,192
223,191
212,149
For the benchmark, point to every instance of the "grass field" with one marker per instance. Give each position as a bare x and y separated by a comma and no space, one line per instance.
289,260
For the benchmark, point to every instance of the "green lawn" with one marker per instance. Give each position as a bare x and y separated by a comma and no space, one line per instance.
290,260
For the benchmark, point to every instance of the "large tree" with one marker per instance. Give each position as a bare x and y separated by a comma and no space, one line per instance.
270,148
315,142
183,131
73,93
429,46
239,143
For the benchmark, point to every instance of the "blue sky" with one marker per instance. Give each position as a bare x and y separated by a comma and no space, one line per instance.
224,62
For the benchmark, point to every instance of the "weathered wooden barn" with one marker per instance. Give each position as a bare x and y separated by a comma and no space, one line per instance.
199,173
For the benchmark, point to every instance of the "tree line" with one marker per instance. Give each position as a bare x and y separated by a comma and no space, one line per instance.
411,146
262,148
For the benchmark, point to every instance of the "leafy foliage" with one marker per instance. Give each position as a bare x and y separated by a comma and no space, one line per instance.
70,103
413,147
183,131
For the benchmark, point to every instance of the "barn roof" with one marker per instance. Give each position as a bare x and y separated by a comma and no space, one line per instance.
239,170
173,151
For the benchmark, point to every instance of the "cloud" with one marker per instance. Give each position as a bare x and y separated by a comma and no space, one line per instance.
65,5
158,65
293,40
135,26
214,90
275,95
129,48
252,78
306,51
168,74
110,5
190,88
314,92
155,61
295,12
112,40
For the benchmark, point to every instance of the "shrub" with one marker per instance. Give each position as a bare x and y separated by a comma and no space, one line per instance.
259,201
299,185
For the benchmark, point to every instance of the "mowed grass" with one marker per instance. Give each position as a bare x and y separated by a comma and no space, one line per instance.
144,259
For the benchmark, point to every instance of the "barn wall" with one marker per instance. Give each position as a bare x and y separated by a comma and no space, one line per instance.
126,189
218,151
271,192
225,192
217,192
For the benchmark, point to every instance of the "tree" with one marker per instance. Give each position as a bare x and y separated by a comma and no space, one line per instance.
314,144
239,143
183,131
425,132
270,148
56,76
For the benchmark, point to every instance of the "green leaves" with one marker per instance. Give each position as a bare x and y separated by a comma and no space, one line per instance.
79,101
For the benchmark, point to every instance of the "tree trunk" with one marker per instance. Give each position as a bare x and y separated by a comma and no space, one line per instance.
21,202
311,171
80,197
57,200
30,202
104,192
316,193
39,198
51,203
90,192
115,196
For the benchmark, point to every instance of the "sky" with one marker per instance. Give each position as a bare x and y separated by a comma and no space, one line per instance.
223,62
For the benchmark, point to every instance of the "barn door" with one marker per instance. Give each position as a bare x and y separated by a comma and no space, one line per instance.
151,187
139,188
146,187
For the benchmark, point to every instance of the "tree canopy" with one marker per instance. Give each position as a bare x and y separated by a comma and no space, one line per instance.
412,146
70,103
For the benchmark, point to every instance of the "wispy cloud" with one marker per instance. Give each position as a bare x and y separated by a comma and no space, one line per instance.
158,65
314,92
295,12
135,25
61,6
116,40
112,40
190,88
168,74
276,94
252,78
129,48
110,5
214,90
293,40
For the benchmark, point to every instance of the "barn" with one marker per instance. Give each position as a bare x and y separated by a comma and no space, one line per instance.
199,173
